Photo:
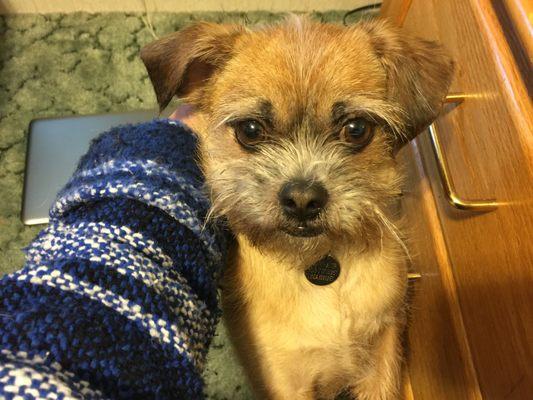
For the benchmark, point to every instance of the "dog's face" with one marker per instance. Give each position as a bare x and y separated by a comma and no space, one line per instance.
300,121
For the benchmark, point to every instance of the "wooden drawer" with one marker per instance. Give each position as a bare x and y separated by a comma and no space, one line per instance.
477,267
487,139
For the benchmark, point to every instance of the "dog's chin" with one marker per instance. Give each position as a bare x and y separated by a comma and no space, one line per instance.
286,238
302,231
294,245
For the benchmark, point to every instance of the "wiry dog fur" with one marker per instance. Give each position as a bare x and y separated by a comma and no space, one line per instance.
301,80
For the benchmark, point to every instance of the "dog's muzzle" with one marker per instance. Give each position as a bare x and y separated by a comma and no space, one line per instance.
301,202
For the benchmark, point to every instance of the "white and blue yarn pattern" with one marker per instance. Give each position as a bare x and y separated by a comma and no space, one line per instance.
118,296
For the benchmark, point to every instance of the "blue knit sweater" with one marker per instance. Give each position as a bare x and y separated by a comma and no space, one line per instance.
117,298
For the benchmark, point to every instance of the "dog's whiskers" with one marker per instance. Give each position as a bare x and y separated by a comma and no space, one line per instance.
391,228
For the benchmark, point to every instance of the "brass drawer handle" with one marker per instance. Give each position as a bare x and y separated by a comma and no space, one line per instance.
446,179
414,276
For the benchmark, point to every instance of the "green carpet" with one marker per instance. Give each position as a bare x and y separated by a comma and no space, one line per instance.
58,65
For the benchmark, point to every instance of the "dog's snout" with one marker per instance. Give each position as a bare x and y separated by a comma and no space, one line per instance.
303,199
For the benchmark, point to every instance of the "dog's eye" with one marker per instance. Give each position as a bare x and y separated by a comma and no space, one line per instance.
249,133
357,132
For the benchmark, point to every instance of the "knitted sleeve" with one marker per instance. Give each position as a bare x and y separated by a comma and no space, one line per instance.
117,298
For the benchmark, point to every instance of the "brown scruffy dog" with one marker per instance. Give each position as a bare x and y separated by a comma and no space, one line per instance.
298,125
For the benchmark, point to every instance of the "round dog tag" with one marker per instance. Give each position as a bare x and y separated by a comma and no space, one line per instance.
324,271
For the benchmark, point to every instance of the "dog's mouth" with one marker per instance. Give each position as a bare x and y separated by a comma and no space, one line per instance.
303,230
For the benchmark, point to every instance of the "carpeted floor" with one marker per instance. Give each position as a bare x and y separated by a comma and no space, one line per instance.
58,65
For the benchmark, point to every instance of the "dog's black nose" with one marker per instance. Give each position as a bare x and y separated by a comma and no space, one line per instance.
302,199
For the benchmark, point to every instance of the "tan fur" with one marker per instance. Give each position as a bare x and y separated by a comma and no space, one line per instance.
298,340
302,341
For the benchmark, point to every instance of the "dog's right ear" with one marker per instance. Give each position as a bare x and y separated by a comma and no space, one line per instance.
419,73
183,61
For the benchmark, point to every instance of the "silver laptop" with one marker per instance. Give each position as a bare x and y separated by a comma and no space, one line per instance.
54,147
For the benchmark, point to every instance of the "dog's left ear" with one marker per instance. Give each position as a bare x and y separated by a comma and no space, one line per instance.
183,61
419,73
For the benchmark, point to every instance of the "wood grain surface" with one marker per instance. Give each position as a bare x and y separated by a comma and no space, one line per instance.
487,141
520,14
438,355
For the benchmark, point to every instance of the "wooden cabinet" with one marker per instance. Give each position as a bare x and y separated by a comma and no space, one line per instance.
471,331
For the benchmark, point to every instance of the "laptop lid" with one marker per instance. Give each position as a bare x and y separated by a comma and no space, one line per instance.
54,147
